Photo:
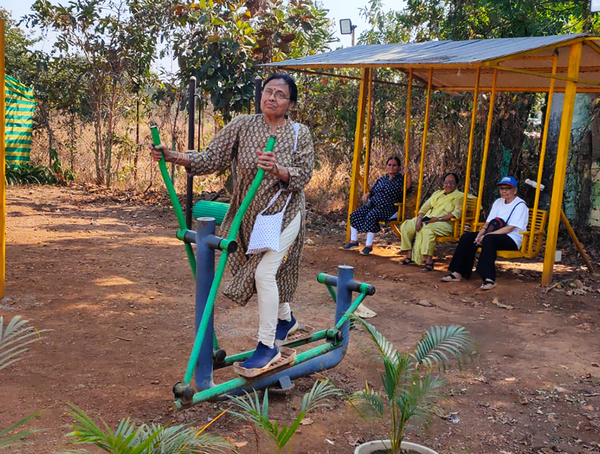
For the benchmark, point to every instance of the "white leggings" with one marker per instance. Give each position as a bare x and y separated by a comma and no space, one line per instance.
269,309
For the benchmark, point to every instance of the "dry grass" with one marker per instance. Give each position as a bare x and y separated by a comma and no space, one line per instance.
327,192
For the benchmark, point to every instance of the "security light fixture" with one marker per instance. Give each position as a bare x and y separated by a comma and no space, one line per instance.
346,27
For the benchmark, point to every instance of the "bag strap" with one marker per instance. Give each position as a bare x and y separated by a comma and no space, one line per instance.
296,130
274,198
272,201
511,212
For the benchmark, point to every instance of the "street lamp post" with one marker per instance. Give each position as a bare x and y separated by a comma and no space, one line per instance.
346,28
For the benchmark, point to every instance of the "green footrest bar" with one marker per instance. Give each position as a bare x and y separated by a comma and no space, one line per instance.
207,209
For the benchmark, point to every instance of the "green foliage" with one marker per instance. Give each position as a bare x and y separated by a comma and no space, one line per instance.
28,173
111,45
15,339
426,20
222,43
7,440
128,438
252,410
63,176
18,58
410,380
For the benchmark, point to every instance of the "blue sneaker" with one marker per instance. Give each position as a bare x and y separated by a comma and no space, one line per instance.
262,357
285,328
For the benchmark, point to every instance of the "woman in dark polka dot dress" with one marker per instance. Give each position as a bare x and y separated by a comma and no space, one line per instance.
378,205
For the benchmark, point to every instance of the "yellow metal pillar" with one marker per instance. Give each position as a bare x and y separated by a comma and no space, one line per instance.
3,166
424,144
486,148
470,153
560,167
536,202
407,139
368,136
358,145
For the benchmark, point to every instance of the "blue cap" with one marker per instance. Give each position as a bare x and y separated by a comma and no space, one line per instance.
508,180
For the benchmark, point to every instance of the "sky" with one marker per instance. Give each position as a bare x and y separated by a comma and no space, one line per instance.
338,9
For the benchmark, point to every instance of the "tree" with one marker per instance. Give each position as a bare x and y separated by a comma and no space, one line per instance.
222,42
18,59
113,41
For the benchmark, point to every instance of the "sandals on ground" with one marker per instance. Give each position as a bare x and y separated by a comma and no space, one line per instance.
488,284
406,261
451,278
427,267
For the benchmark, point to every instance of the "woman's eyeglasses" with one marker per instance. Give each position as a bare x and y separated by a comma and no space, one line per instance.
279,95
505,188
450,183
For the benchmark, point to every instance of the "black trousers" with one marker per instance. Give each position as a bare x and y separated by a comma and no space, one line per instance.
464,256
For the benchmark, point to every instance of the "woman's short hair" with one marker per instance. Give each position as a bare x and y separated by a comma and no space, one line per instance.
454,175
395,158
290,83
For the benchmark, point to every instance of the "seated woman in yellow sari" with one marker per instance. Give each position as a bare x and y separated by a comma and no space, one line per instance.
418,234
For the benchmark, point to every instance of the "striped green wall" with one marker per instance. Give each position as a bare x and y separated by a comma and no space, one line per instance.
20,105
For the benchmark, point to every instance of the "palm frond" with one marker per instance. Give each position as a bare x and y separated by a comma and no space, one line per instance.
14,339
320,391
126,439
439,345
409,384
7,440
182,439
420,398
368,403
386,348
255,412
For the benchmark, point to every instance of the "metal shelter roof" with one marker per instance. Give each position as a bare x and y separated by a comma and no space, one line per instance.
525,64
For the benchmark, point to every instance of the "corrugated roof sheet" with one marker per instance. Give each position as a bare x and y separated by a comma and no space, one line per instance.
454,62
432,52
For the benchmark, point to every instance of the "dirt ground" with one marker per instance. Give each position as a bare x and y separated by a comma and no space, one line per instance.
109,279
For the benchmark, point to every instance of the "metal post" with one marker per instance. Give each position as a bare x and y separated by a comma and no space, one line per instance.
257,94
205,273
344,299
470,153
368,137
358,145
560,168
486,147
424,143
3,165
407,138
538,187
191,131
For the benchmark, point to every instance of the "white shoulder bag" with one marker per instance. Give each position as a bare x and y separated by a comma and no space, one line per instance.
267,228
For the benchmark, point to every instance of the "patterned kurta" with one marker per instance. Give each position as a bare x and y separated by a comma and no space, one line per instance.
382,197
236,145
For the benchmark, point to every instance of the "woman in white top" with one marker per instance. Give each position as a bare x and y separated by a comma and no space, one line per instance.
508,217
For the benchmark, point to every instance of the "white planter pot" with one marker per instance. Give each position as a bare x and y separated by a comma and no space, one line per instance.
372,446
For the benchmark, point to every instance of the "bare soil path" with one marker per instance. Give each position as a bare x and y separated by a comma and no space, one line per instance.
110,280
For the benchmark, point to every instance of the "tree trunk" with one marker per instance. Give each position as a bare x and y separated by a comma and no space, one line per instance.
111,127
137,139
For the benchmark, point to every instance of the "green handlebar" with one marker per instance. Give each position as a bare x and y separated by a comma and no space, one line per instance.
233,231
174,200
